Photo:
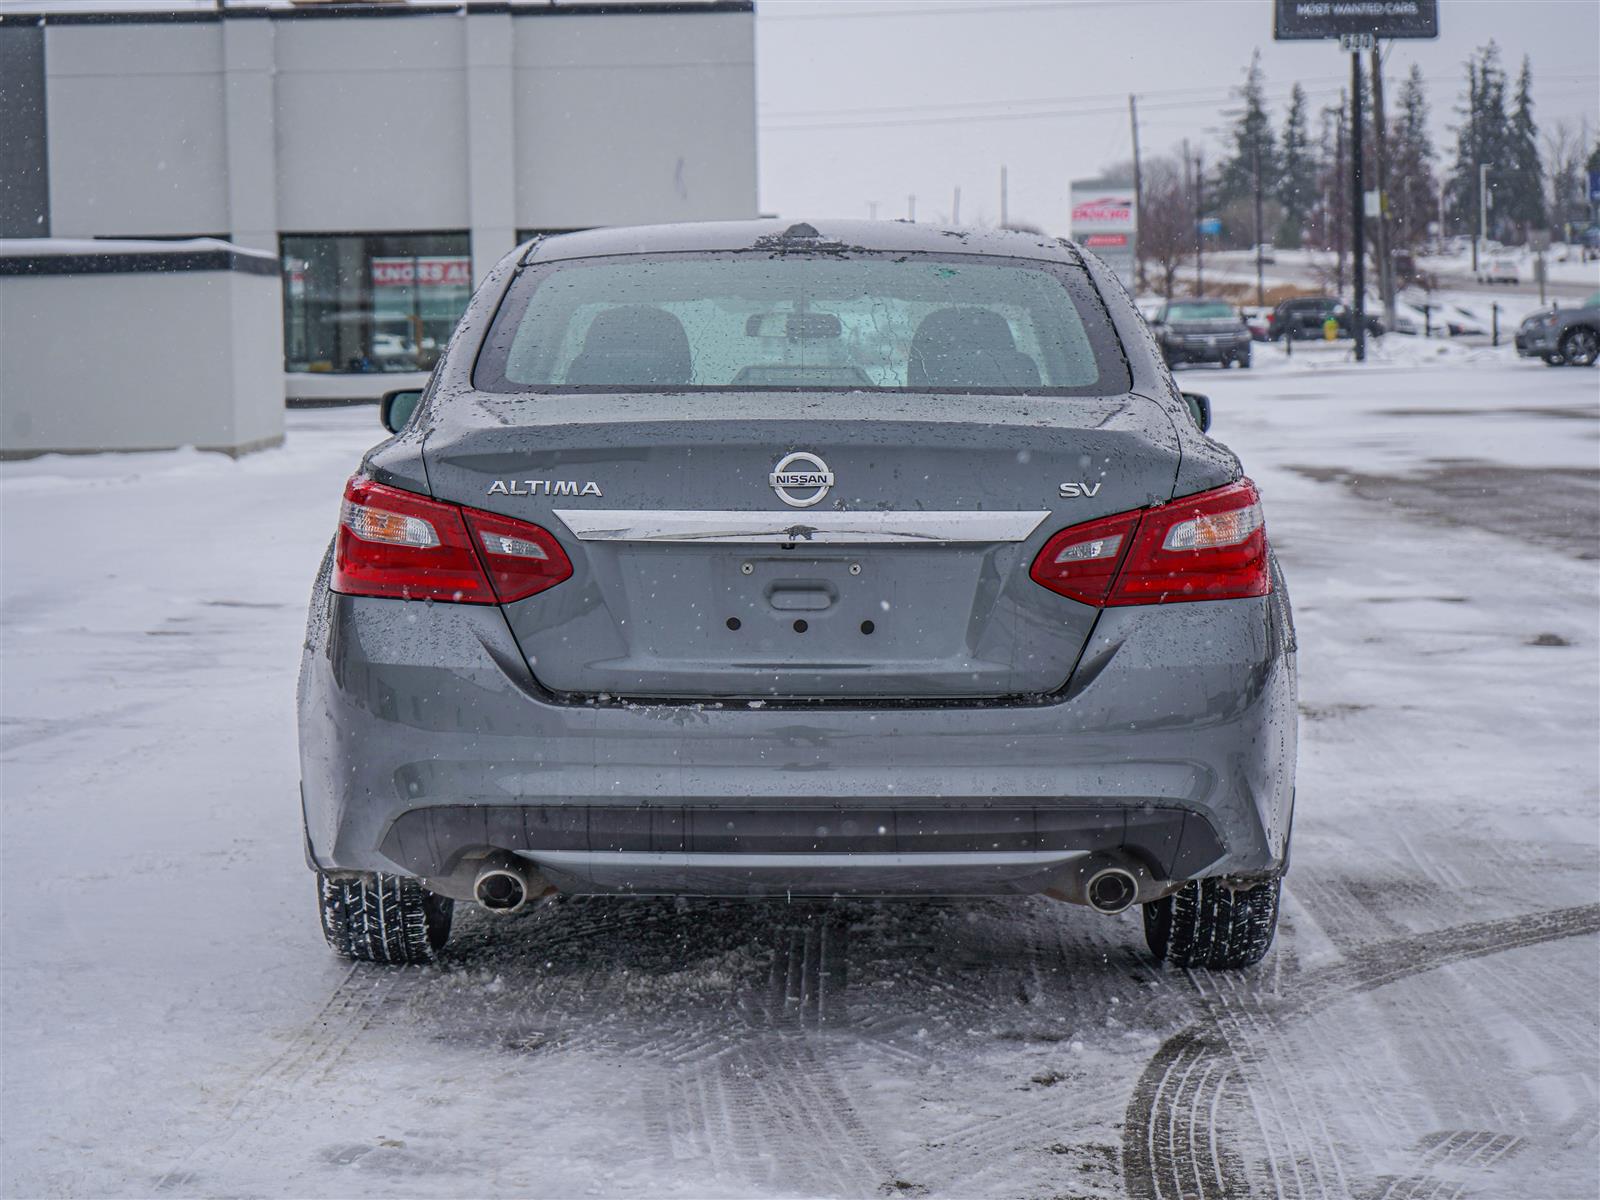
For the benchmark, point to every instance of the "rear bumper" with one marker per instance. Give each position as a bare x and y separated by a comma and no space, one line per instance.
802,848
426,741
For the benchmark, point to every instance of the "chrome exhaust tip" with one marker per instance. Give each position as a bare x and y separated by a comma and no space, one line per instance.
504,885
1111,890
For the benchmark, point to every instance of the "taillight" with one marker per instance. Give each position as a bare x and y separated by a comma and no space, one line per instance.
399,544
1211,546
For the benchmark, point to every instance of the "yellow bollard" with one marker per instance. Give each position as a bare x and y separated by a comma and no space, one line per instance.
1330,329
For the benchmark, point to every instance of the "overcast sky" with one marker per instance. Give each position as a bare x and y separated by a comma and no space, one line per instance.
945,91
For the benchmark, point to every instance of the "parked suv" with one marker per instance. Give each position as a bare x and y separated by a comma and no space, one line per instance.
1202,330
1303,318
1563,336
757,559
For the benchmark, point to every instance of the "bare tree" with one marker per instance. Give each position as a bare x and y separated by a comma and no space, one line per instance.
1564,150
1166,222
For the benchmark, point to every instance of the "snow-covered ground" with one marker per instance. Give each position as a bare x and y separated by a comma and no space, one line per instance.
1427,1024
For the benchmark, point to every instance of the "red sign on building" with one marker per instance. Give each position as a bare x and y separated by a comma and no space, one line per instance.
442,270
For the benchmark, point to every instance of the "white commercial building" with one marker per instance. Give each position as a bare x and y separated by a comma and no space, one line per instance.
385,154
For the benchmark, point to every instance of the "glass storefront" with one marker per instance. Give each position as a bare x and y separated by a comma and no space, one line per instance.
359,303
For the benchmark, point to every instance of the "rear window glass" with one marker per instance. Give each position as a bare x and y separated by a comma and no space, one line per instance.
857,322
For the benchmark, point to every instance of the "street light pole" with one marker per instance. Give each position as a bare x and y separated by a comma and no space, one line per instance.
1255,157
1199,215
1483,212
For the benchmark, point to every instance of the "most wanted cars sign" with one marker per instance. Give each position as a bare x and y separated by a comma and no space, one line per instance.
1105,219
1314,19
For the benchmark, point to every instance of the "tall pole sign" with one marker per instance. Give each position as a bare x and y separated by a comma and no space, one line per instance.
1357,25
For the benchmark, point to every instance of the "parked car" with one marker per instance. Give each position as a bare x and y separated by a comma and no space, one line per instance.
638,602
1259,322
1562,336
1303,318
1500,270
1266,250
1202,330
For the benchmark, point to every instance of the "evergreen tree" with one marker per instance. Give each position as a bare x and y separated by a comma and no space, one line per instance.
1252,135
1483,136
1413,191
1519,191
1297,190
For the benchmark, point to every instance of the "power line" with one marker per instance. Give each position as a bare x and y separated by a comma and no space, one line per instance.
1066,107
1322,84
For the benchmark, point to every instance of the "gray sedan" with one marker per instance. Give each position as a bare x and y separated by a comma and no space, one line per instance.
768,559
1563,336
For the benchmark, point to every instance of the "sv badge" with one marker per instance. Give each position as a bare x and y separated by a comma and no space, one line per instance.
1072,491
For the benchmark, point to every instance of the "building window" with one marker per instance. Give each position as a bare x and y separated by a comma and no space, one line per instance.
360,303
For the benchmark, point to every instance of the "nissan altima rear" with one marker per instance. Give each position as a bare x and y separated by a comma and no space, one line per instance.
773,560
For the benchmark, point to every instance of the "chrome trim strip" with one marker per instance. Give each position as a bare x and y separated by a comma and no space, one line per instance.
824,528
574,859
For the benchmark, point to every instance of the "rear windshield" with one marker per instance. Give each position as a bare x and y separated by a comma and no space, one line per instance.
856,322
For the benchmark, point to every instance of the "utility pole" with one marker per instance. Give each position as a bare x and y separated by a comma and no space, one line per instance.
872,210
1357,213
1255,164
1337,208
1381,156
911,208
955,208
1199,210
1005,214
1138,188
1358,210
1483,212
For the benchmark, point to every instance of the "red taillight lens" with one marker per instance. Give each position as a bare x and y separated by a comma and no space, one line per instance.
1211,546
398,544
1081,562
523,559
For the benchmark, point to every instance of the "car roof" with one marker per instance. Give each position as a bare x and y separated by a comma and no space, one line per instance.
779,234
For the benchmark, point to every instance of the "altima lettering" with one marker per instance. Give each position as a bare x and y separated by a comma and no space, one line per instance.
1072,491
544,487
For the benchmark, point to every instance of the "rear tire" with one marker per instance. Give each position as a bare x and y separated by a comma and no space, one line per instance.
1206,924
383,918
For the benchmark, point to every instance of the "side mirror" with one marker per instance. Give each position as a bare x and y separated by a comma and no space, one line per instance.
1199,409
396,408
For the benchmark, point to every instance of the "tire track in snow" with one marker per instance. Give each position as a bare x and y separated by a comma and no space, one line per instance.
311,1053
1173,1108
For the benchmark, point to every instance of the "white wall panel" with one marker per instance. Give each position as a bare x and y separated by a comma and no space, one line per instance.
634,119
136,130
371,120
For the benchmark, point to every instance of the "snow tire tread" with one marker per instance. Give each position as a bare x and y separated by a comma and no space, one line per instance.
1208,924
383,918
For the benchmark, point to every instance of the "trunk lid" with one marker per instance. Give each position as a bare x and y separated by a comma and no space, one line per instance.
908,579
